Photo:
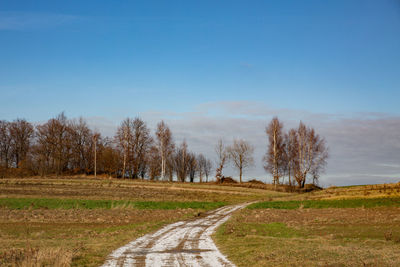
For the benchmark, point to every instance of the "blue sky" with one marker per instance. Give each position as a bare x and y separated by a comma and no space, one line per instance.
214,68
134,56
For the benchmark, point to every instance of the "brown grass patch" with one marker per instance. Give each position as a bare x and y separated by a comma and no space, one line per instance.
313,237
128,189
83,237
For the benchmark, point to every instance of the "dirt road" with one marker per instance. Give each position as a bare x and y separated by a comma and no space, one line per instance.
186,243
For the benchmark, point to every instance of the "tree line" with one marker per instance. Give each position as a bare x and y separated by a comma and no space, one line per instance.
64,146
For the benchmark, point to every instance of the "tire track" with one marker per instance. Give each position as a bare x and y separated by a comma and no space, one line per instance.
185,243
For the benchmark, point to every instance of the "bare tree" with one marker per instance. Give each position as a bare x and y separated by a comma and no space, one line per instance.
124,140
241,153
181,161
192,166
54,145
222,157
165,145
140,146
96,137
154,167
21,133
81,138
109,158
311,154
5,143
207,168
170,167
291,159
275,157
201,165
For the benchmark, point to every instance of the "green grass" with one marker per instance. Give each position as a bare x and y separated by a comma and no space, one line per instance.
53,203
321,204
274,229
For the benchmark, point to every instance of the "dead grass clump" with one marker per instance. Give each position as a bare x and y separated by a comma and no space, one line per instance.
37,257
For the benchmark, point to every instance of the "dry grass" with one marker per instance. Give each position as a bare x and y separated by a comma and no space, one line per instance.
84,237
115,189
313,237
35,257
347,192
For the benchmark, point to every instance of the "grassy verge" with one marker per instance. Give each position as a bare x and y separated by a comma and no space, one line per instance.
321,204
56,203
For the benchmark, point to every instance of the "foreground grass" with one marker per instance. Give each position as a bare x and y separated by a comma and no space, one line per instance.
74,237
56,203
321,204
334,233
78,222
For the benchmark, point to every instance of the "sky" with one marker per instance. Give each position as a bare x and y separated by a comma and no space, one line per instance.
215,69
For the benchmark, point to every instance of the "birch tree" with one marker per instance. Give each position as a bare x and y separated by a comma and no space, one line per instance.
165,145
207,168
124,138
222,157
275,157
291,159
311,154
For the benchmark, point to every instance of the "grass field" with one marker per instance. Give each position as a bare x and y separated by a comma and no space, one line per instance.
79,221
76,221
332,232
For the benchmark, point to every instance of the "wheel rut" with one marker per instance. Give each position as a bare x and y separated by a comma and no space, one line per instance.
185,243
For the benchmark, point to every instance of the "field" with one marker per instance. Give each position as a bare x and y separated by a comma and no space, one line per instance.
355,230
79,221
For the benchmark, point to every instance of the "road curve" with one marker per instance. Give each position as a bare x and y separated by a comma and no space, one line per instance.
185,243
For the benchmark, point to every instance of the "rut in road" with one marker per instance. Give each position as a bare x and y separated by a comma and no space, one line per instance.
185,243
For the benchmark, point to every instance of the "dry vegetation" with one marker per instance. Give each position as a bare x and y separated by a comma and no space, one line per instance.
317,237
348,192
84,237
130,190
34,236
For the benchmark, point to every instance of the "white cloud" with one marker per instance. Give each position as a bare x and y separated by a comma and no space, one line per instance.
364,148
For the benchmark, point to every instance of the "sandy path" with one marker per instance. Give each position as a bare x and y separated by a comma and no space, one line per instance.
185,243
